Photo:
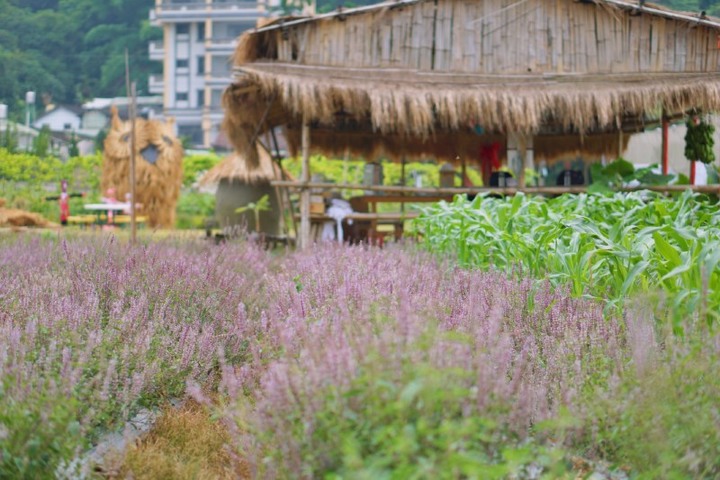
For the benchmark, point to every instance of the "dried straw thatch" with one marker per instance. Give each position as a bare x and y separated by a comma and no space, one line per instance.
158,167
12,217
418,71
235,168
418,104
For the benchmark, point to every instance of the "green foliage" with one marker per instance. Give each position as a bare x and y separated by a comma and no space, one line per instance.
604,247
664,424
261,205
74,151
194,208
72,49
26,180
195,165
37,435
621,172
9,138
699,141
41,143
409,424
352,171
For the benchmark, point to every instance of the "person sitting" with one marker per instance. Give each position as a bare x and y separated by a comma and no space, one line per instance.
569,177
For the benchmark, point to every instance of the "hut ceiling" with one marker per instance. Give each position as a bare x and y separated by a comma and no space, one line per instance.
454,147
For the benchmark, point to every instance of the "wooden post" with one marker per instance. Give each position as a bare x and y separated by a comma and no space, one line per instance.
131,93
665,159
692,172
133,180
305,191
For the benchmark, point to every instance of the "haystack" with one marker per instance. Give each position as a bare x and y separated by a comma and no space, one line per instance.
158,166
239,184
13,217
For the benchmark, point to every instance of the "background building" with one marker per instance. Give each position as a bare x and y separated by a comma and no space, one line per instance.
199,36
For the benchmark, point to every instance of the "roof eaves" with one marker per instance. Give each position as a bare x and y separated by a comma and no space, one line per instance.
664,13
280,24
341,13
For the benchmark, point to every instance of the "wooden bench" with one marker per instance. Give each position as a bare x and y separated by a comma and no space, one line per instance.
365,225
126,220
82,220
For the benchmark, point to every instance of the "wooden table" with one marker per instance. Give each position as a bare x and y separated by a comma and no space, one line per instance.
98,208
396,219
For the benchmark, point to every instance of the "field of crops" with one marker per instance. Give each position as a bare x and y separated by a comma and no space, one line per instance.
607,248
348,362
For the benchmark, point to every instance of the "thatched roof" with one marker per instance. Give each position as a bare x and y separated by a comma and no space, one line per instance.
235,168
416,89
418,103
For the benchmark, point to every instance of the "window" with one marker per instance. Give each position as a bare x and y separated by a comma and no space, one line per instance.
201,98
181,63
67,126
182,28
201,31
180,96
201,65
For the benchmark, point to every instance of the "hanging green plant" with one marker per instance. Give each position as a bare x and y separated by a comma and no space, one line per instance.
699,141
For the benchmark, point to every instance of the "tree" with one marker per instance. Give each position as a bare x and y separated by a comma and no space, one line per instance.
73,150
9,139
41,143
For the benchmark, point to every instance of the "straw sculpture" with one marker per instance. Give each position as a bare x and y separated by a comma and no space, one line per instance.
158,167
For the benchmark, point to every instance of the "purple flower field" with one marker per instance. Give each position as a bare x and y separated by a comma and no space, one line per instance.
345,363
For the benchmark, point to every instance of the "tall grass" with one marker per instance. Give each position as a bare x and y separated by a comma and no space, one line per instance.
603,247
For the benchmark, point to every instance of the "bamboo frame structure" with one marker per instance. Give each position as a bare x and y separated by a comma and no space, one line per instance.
440,78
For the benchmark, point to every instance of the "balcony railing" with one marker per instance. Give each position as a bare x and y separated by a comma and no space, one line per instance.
179,5
156,50
156,84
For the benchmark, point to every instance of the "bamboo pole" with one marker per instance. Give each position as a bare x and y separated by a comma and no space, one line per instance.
133,178
665,156
305,190
131,93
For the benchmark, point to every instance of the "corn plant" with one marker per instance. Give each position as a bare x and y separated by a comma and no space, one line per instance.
603,247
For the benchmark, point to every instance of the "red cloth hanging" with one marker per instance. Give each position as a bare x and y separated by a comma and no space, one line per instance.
489,160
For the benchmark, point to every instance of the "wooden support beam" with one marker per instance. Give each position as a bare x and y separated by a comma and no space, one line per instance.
715,189
665,147
304,236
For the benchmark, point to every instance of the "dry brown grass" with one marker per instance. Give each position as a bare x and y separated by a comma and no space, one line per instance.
184,443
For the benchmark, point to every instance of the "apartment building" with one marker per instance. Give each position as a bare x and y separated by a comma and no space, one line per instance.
199,36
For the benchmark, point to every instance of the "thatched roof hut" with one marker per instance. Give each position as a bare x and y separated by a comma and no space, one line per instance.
234,168
238,185
435,77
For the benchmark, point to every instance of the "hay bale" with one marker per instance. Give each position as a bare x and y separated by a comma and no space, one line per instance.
158,167
12,217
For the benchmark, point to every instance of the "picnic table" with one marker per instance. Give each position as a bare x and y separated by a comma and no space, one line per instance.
99,208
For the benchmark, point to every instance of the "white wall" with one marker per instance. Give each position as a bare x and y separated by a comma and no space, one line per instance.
59,120
646,148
